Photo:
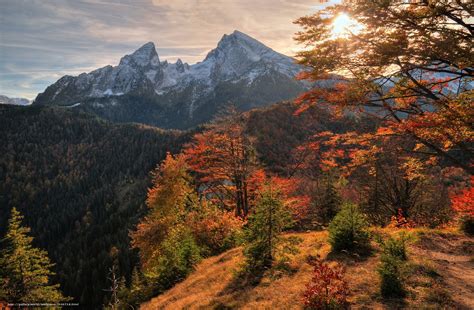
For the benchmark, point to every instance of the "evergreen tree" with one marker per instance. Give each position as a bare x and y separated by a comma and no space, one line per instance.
137,290
263,234
24,269
331,200
349,230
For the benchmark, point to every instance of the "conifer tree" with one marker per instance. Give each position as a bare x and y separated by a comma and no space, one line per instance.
331,200
25,271
263,234
137,287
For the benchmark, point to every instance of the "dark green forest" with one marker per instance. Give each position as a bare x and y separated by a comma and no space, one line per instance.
81,183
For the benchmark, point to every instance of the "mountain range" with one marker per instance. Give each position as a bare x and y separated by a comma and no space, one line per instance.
141,88
14,101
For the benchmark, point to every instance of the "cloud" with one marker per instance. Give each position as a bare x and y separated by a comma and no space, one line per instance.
41,40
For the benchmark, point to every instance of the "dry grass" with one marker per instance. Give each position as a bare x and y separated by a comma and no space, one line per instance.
430,286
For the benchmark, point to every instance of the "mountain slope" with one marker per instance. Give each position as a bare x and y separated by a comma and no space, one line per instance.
430,285
143,89
81,184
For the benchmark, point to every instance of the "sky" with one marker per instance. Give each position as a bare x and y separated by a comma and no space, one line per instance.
42,40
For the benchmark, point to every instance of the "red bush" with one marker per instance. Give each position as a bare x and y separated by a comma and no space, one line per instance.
327,289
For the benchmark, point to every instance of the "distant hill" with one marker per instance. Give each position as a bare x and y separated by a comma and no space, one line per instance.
14,101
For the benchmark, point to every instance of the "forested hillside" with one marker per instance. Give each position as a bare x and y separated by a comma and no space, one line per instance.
81,184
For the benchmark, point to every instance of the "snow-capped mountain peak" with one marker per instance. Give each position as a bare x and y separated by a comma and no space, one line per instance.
143,57
240,69
240,39
240,56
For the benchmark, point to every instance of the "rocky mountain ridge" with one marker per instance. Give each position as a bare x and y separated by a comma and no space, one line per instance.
240,70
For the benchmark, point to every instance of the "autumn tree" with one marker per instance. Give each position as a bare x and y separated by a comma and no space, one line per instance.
215,230
408,63
224,160
25,271
463,200
385,179
463,203
169,199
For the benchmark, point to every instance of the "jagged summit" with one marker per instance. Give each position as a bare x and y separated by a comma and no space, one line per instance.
240,69
240,37
241,43
144,56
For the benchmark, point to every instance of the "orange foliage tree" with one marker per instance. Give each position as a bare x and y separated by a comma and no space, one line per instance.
408,64
168,200
389,180
225,163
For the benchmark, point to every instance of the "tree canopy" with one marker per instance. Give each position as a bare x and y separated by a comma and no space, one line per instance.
410,64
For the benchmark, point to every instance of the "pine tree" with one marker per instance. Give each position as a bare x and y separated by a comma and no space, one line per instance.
24,269
137,290
331,200
349,230
263,234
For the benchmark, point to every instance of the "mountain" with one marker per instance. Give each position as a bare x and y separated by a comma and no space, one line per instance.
14,101
240,70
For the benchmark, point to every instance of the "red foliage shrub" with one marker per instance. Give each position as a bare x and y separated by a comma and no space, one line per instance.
463,201
327,289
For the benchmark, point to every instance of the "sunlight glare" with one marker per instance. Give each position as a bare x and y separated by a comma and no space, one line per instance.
343,25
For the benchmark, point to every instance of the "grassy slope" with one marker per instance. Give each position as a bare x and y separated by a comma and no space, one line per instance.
441,276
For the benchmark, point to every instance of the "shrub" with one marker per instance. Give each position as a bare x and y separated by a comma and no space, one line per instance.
214,230
396,247
349,229
393,264
327,289
391,284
